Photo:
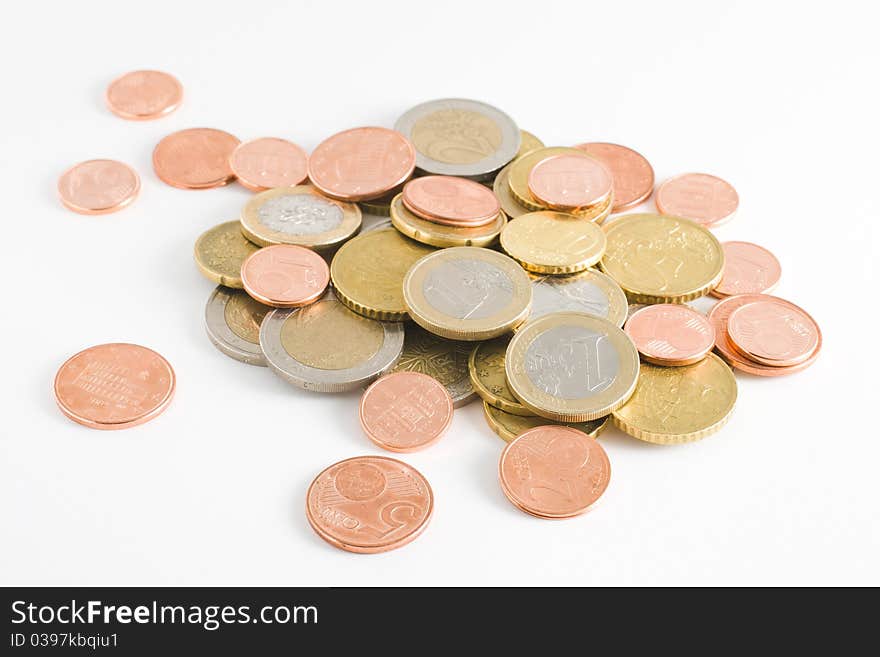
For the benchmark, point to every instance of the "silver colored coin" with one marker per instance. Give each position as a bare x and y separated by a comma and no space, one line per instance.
325,347
232,320
303,214
468,289
571,362
590,292
460,137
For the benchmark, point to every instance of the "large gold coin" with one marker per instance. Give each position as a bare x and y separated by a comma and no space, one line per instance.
219,252
467,293
509,204
571,367
509,426
550,242
442,359
368,272
679,404
486,368
299,215
656,258
441,235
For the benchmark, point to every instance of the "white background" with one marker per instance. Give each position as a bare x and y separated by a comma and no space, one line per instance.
781,102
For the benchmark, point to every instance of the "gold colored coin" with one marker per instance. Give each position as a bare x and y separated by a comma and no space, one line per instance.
571,367
486,368
467,293
219,252
244,315
656,258
518,177
501,187
442,359
550,242
299,215
441,235
589,291
674,405
528,143
509,426
368,272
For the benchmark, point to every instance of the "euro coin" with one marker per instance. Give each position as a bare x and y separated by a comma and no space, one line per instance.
748,269
445,360
220,252
550,242
232,320
440,235
509,426
98,187
589,291
708,200
671,334
486,368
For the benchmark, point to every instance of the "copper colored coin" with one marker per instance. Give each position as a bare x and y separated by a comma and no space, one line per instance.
405,411
773,332
569,181
144,95
98,186
369,504
114,386
671,334
197,158
554,471
748,269
451,200
719,315
285,276
361,163
261,164
631,173
708,200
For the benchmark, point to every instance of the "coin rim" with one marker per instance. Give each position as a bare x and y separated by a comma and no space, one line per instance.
507,436
790,362
224,338
441,235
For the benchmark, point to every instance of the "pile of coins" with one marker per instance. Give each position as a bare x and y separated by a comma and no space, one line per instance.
501,269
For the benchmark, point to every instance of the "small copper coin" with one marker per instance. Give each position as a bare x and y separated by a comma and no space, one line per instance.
671,334
773,332
632,174
405,411
114,386
269,162
285,276
451,200
197,158
362,163
98,186
554,471
748,269
144,95
700,197
569,181
369,504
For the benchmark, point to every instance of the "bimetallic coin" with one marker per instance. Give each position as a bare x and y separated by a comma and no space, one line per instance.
197,158
98,187
632,174
445,360
232,320
660,259
434,234
679,404
486,369
285,276
554,471
553,242
528,143
773,332
509,426
521,168
700,197
368,273
369,504
501,186
748,269
144,95
405,411
571,367
299,215
220,252
450,200
671,334
566,182
114,386
325,347
262,164
361,163
459,137
467,293
589,291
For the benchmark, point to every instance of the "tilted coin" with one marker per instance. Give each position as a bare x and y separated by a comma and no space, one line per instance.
773,332
434,234
450,200
509,426
197,158
285,276
460,137
550,242
326,347
269,162
467,293
301,216
220,252
486,369
521,168
589,291
708,200
679,404
632,174
568,182
661,259
671,334
501,186
232,320
144,95
571,367
445,360
748,269
368,273
528,143
98,187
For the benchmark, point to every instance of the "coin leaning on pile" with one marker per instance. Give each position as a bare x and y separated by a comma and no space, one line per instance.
500,273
